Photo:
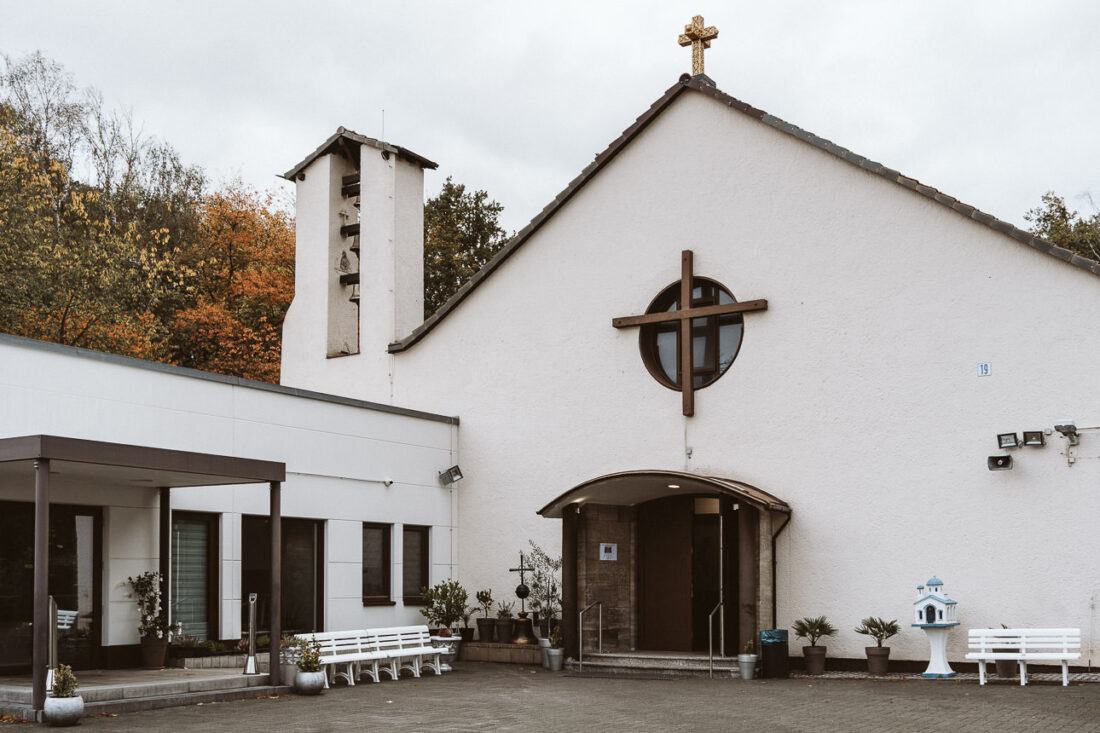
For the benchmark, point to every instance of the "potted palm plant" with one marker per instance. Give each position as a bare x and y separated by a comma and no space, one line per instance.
310,679
878,656
466,632
486,627
814,628
504,622
63,706
555,653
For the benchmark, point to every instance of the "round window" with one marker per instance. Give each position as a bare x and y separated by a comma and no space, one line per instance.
715,340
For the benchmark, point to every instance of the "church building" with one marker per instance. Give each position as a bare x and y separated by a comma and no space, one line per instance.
733,371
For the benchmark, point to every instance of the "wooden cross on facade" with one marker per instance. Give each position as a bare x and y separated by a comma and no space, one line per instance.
699,38
683,313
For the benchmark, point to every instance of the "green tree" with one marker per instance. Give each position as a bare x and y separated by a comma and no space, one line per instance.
1054,222
461,234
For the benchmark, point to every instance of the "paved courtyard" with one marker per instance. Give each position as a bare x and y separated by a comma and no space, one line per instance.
483,696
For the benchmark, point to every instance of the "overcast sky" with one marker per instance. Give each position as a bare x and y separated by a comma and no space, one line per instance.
991,102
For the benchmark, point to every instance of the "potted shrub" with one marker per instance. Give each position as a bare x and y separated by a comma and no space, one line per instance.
154,628
289,652
310,680
63,706
813,629
746,661
445,604
555,654
545,598
504,622
878,656
486,627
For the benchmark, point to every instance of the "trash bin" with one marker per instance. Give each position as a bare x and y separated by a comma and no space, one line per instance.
774,654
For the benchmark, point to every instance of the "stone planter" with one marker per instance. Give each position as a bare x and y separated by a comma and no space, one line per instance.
878,660
747,664
63,711
309,683
555,658
815,659
504,630
544,647
153,652
486,629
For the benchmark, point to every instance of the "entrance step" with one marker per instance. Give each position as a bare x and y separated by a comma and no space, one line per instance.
654,664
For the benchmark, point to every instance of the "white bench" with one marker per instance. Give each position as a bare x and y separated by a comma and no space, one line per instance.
1023,646
348,654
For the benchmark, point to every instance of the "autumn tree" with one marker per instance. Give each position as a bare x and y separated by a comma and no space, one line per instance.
1054,222
461,234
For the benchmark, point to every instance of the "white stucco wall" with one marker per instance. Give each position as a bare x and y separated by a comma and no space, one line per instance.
855,397
336,456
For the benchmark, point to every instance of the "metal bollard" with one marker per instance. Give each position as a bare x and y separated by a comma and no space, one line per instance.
250,663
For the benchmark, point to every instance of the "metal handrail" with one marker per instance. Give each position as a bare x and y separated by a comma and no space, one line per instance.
710,633
580,633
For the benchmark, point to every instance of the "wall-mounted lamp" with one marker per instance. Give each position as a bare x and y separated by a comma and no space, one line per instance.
451,475
1034,437
999,463
1069,431
1007,440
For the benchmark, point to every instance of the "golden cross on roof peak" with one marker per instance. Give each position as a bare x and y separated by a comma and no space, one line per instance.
698,37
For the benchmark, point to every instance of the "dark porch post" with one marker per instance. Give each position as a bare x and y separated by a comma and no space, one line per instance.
569,590
275,608
748,570
41,580
165,550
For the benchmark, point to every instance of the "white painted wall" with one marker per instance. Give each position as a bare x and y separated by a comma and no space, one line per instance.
855,397
336,456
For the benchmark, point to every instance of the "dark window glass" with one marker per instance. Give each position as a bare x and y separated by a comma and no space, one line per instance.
414,570
715,340
376,563
302,572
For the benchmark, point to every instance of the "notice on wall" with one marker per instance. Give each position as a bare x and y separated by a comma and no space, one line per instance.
609,551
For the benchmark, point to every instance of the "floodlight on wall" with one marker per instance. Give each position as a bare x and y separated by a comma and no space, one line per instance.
999,463
1034,437
1069,431
451,475
1008,440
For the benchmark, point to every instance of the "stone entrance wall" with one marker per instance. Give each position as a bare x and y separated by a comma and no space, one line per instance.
611,581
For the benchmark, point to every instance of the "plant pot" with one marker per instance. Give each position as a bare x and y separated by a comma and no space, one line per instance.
309,683
486,629
815,659
466,633
289,672
544,648
878,660
1006,667
555,658
504,630
153,652
63,711
747,664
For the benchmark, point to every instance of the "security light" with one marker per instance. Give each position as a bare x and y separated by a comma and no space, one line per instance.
999,463
451,475
1034,437
1008,440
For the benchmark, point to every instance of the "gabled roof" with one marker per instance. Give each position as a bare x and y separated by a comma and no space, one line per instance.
339,142
703,85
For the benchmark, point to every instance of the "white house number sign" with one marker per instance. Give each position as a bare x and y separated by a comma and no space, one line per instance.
609,551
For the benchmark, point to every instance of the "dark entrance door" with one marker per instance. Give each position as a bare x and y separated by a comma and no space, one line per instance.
73,575
682,571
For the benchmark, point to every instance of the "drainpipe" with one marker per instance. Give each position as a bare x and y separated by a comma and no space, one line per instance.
775,563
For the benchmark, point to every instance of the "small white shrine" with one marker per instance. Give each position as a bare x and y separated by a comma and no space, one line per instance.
936,614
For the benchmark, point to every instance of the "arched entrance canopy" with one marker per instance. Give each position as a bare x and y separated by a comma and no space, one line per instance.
629,488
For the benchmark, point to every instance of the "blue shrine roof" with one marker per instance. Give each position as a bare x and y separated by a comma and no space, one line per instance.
935,581
933,596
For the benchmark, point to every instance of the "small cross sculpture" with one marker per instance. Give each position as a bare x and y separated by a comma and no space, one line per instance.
699,38
522,584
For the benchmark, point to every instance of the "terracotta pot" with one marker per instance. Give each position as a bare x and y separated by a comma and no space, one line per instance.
486,629
878,660
63,711
815,659
504,630
153,652
309,683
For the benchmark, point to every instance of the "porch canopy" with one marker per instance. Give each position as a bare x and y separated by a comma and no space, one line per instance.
628,488
79,464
